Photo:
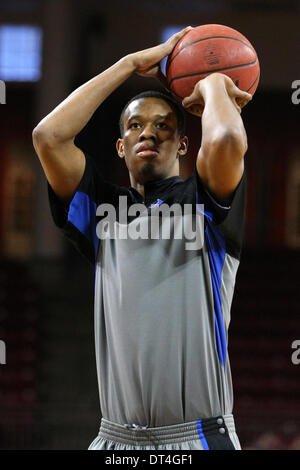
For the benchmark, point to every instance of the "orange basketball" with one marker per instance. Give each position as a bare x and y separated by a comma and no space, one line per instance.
207,49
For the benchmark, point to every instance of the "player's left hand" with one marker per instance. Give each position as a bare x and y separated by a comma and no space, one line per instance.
155,72
147,62
196,101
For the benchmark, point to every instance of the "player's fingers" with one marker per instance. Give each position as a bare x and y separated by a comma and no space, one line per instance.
242,97
173,40
242,101
186,102
148,57
196,109
194,98
175,37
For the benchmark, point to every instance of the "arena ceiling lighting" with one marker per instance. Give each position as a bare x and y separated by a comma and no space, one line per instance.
20,53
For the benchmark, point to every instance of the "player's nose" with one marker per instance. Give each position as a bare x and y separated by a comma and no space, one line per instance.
148,132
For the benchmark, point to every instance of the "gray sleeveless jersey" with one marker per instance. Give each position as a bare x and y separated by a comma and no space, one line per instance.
163,293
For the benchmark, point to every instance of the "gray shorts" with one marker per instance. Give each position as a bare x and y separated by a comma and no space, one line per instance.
216,433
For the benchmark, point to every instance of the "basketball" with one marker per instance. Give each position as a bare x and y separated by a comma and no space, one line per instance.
207,49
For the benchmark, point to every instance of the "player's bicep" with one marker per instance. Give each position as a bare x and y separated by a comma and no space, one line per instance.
220,171
63,164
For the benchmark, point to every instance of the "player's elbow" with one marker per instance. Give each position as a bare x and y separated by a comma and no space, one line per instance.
42,138
229,141
39,136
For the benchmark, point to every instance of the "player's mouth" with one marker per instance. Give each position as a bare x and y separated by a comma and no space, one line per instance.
147,150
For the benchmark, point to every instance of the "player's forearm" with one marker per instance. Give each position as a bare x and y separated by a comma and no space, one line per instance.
221,121
71,116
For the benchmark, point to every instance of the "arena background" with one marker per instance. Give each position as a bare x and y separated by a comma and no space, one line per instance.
48,384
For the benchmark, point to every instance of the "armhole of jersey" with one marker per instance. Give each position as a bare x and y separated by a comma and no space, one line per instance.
233,225
214,210
229,220
77,218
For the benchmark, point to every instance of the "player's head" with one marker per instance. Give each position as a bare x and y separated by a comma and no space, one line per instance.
179,111
152,127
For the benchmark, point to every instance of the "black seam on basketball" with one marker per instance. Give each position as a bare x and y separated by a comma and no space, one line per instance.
212,71
204,39
251,86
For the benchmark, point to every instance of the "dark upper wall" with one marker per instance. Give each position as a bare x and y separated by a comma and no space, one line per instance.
124,27
82,38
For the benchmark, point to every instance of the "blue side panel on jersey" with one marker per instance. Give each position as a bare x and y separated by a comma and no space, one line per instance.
82,214
217,251
201,434
199,207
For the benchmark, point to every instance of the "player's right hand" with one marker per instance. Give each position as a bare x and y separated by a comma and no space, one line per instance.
147,62
196,101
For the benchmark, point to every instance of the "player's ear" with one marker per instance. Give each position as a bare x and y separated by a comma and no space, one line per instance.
183,146
120,148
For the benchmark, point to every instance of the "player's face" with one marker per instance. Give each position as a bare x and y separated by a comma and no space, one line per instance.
151,144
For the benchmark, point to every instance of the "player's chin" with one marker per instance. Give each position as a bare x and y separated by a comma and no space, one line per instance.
148,172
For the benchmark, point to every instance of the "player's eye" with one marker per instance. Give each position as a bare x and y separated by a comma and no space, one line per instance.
134,125
161,125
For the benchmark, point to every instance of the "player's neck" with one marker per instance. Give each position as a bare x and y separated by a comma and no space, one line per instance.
141,188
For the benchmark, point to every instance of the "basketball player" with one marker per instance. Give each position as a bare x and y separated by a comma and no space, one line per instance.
161,311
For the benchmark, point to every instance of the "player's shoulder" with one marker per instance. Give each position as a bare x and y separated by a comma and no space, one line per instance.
97,186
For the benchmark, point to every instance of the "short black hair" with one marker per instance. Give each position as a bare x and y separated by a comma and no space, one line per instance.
180,113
